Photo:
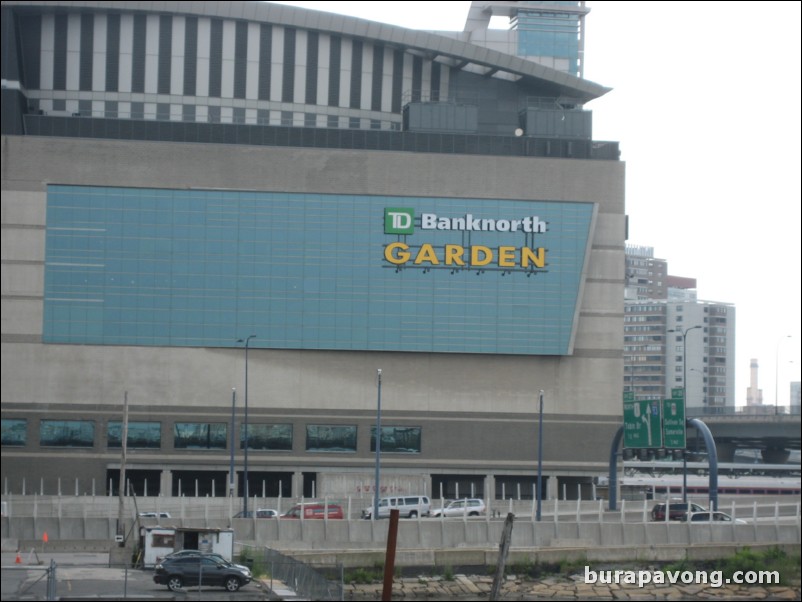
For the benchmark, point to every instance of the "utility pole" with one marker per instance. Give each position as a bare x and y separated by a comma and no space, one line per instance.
121,488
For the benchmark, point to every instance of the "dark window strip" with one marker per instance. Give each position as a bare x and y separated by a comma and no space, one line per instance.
288,74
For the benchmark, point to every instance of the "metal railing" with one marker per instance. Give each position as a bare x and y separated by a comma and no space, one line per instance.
313,137
746,411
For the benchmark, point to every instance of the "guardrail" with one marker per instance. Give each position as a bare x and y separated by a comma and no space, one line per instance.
562,521
224,509
745,411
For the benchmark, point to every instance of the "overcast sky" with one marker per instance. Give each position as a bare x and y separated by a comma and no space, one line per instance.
706,108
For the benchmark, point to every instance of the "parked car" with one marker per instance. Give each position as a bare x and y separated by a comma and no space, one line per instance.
154,515
677,510
408,506
714,517
315,511
469,507
260,513
201,569
185,553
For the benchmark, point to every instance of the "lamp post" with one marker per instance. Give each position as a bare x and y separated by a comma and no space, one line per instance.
685,401
233,443
247,342
539,458
777,372
378,444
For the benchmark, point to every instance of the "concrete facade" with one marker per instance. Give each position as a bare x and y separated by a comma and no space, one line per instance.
493,398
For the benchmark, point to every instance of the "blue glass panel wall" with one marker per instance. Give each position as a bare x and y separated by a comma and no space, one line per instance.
204,268
550,32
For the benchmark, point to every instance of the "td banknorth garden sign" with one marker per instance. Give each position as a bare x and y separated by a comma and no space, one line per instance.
400,221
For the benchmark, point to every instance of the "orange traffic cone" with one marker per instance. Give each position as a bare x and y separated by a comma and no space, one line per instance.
18,560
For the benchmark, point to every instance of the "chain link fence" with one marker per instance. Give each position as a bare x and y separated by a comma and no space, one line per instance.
306,581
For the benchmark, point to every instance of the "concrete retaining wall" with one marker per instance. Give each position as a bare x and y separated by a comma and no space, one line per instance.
428,533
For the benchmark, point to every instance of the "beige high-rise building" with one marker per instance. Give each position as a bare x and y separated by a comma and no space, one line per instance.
669,336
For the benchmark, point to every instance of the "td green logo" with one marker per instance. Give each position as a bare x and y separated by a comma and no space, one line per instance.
399,220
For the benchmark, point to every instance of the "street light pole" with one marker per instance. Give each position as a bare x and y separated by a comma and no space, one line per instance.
685,401
233,443
376,491
777,373
540,458
247,342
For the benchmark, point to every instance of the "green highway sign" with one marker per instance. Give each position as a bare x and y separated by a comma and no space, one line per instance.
674,422
642,424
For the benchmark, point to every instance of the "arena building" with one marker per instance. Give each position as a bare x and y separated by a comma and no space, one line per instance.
240,212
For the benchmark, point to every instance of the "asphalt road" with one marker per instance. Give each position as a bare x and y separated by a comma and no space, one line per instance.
87,576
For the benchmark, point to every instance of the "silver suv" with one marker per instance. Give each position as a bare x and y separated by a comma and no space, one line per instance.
464,507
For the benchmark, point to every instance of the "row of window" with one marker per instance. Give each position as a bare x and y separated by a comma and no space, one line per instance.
642,348
649,318
213,436
643,338
97,106
641,379
633,308
644,368
651,328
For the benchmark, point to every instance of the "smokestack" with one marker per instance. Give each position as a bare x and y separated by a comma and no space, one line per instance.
754,396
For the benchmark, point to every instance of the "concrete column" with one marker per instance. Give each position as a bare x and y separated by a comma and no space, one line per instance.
297,484
490,490
775,455
166,483
724,450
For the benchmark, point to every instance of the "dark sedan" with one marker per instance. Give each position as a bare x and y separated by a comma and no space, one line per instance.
212,555
182,571
677,510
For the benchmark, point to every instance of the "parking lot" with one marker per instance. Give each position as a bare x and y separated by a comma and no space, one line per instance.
88,576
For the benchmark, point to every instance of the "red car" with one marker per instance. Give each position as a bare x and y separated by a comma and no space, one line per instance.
315,511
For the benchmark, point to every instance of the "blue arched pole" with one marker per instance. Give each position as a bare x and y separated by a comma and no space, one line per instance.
712,459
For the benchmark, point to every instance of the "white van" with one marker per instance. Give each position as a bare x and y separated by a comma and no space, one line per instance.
154,515
408,506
